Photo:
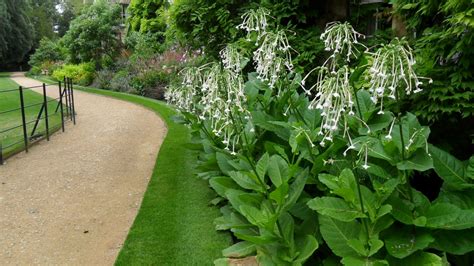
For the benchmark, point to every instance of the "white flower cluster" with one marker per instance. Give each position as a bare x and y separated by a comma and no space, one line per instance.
272,57
392,69
341,38
255,21
184,96
334,98
231,58
216,95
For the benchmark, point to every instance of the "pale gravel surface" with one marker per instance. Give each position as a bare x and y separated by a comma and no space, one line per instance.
72,200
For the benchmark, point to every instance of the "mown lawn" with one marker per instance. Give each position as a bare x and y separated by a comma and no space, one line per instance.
12,140
174,225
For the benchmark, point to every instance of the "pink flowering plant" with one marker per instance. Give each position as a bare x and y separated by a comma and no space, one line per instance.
320,172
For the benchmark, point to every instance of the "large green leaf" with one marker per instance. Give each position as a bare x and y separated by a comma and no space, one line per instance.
239,250
278,170
418,259
337,233
470,168
343,185
362,261
262,166
335,208
222,183
402,242
450,169
419,161
306,247
295,189
245,181
455,242
440,215
255,216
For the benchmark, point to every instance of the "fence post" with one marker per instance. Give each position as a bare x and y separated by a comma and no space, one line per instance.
46,118
65,95
61,106
23,118
69,98
1,153
72,103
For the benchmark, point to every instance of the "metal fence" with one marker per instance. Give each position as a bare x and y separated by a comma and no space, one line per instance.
27,131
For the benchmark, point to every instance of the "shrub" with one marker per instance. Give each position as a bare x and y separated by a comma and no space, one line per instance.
121,82
103,79
48,51
151,84
82,74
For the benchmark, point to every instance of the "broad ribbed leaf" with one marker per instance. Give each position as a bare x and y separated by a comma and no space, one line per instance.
306,247
419,161
455,242
336,208
278,170
239,250
440,215
337,233
363,261
402,242
262,166
450,169
245,181
223,183
418,259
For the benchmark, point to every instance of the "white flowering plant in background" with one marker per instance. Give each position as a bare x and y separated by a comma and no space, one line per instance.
294,161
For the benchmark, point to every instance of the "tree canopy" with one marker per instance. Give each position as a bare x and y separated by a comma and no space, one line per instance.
16,31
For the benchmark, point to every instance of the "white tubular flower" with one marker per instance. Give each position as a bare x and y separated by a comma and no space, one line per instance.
185,96
392,70
341,38
272,57
255,21
334,98
231,58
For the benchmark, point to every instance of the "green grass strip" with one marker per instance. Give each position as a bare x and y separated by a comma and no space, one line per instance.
174,225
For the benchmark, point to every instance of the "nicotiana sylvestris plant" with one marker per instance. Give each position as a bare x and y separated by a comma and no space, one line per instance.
347,200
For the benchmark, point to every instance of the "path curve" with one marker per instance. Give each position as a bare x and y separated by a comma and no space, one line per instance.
72,200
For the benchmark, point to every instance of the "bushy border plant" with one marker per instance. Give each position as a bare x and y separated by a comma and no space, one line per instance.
321,172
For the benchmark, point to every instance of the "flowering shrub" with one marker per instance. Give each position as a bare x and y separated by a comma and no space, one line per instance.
321,172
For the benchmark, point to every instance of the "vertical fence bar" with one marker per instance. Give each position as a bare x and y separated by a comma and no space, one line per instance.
72,103
46,118
1,154
23,118
69,98
61,106
65,97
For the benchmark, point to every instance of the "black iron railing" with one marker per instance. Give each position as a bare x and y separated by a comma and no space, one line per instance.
64,109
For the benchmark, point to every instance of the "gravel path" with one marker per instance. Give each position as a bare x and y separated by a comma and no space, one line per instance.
72,200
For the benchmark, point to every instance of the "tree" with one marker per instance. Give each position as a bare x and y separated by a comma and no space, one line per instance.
16,31
92,36
42,15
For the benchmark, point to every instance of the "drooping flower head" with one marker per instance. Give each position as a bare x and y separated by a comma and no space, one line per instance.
341,38
392,72
255,21
272,57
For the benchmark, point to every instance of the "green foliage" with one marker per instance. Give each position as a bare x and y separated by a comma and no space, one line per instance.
81,74
93,35
284,197
148,16
48,50
16,31
42,15
446,31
